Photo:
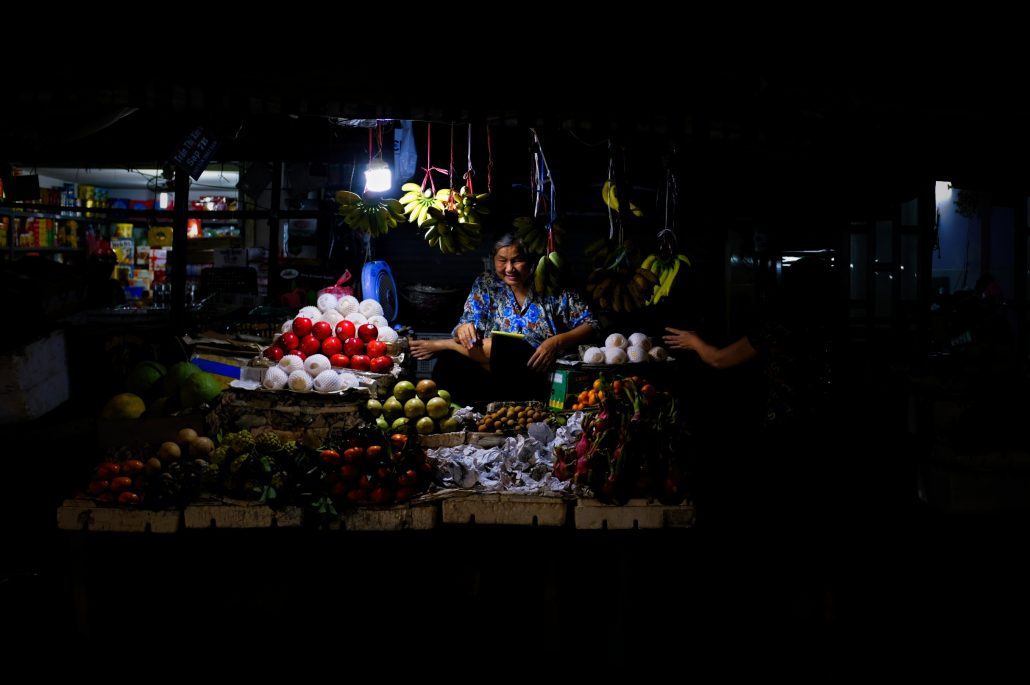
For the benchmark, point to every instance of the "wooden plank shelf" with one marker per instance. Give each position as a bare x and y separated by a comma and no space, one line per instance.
87,515
240,514
636,513
417,516
497,508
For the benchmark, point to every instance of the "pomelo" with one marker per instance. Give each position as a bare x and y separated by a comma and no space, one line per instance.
145,378
176,376
123,406
199,388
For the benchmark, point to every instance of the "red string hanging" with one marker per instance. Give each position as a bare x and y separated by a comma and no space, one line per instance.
429,168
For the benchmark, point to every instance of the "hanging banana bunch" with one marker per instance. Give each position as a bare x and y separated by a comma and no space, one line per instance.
610,195
549,276
666,271
471,207
534,233
617,283
667,261
375,216
416,203
448,231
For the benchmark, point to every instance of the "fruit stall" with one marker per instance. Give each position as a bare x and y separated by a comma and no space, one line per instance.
328,427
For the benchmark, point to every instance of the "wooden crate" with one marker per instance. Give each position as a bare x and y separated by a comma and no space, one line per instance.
435,440
417,516
637,513
87,515
497,508
218,513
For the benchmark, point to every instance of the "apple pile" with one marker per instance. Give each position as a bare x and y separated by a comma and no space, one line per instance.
346,347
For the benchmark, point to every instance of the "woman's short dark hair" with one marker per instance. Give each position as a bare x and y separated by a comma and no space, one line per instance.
509,240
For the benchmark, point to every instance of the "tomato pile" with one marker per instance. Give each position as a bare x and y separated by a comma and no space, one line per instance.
367,467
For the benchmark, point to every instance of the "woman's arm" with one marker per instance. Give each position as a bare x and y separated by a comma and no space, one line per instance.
550,349
475,316
716,357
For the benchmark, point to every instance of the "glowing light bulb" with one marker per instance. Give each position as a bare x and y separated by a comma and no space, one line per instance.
378,177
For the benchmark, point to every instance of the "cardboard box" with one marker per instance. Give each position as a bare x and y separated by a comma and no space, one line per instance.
566,383
34,379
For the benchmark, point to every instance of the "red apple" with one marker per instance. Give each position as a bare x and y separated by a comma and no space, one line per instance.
289,340
345,329
359,362
339,361
309,344
302,326
353,346
375,348
274,352
299,354
367,332
331,345
381,364
322,329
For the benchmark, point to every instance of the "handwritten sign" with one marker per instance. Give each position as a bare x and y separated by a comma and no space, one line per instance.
195,151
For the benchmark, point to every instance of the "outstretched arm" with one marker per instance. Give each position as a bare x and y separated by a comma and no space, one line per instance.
549,350
427,349
716,357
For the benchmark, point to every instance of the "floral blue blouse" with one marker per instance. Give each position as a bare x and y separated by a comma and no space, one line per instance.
491,306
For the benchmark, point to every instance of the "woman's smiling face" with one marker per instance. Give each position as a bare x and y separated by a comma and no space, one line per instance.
512,266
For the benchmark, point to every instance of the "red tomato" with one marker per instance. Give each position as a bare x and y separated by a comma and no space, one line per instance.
348,472
339,361
338,488
108,470
398,440
128,497
404,494
381,496
356,496
121,483
345,329
98,486
368,332
374,452
132,466
330,457
375,348
352,454
331,346
302,326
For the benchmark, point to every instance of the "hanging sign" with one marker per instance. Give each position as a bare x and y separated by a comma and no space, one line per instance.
195,151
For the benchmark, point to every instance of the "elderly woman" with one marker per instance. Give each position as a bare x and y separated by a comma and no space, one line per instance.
505,300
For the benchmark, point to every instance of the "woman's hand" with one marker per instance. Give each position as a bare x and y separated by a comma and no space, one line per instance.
422,349
681,340
545,355
466,335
